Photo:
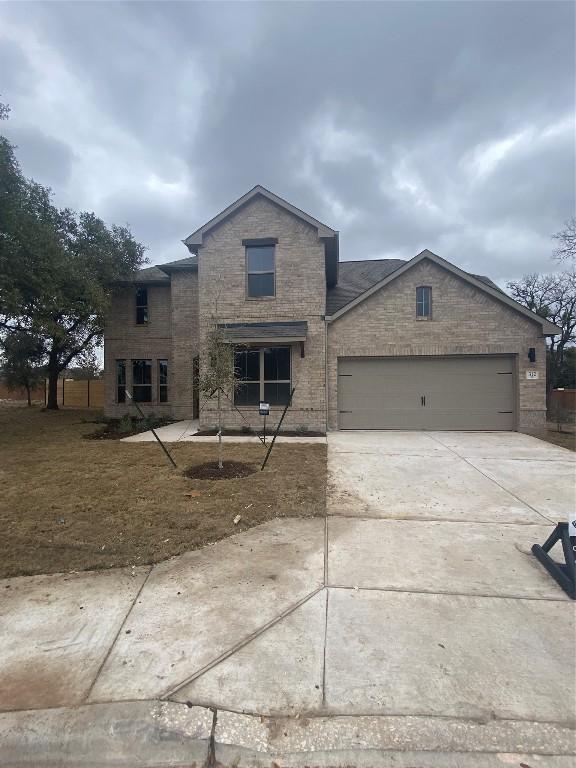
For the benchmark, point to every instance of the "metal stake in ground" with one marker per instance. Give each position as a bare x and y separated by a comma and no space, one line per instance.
135,404
288,404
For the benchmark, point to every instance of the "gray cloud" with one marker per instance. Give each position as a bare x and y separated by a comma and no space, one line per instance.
405,125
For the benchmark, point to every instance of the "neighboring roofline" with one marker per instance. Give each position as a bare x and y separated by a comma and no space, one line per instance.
143,283
548,328
169,268
194,241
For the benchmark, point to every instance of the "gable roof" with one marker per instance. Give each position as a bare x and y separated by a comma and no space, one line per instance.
356,277
195,239
325,233
478,281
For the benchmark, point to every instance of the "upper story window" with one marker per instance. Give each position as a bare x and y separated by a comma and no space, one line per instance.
141,306
424,302
260,269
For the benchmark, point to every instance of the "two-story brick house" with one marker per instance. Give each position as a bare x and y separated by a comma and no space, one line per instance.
376,344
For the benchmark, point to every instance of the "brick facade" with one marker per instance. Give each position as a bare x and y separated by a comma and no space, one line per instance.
300,295
464,321
124,340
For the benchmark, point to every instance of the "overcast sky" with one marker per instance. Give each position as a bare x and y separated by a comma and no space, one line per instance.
408,125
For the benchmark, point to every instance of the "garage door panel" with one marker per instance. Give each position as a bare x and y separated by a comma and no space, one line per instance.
426,393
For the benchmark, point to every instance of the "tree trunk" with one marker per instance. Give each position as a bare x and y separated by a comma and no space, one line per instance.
220,465
53,371
28,395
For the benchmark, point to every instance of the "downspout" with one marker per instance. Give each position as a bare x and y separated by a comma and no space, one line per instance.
326,396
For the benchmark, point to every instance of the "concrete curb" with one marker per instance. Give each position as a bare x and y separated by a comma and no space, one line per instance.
153,734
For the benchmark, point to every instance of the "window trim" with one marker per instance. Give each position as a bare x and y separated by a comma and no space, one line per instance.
262,381
429,315
145,360
263,243
160,385
120,365
145,306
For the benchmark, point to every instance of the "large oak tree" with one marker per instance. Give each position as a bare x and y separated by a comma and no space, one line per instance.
57,269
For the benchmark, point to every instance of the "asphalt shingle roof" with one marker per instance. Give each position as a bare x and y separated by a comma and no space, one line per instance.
356,277
263,331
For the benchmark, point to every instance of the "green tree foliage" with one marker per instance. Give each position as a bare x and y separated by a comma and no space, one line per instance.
22,362
57,269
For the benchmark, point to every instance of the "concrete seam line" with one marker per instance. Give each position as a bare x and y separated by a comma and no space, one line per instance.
449,594
239,645
211,754
117,635
422,519
325,550
325,643
495,481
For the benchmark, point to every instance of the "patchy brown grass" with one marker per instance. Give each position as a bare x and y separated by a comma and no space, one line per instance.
67,503
551,435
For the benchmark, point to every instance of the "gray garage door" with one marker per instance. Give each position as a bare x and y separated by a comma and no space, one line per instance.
426,393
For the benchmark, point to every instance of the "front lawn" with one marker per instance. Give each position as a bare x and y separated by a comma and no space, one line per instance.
67,503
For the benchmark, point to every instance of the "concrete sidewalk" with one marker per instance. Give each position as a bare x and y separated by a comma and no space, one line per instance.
185,432
411,627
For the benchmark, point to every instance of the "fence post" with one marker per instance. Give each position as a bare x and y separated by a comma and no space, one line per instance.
63,381
45,396
88,393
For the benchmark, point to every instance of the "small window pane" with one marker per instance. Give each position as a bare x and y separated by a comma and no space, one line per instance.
142,381
142,394
261,285
121,381
247,364
142,371
423,296
163,381
276,394
277,363
141,306
247,394
260,259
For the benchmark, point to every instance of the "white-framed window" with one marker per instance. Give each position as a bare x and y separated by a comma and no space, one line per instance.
424,302
264,374
260,271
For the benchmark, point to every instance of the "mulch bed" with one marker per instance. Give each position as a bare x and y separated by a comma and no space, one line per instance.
111,431
258,433
210,470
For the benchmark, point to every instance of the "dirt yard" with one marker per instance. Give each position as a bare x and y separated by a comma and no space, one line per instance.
565,439
68,504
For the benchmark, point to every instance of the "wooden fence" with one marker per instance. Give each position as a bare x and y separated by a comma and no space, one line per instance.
563,400
72,393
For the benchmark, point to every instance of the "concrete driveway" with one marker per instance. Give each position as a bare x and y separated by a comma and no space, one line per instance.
411,627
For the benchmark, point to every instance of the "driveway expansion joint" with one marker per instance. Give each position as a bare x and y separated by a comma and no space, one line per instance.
166,696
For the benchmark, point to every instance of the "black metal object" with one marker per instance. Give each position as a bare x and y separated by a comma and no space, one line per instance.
141,412
563,573
288,404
